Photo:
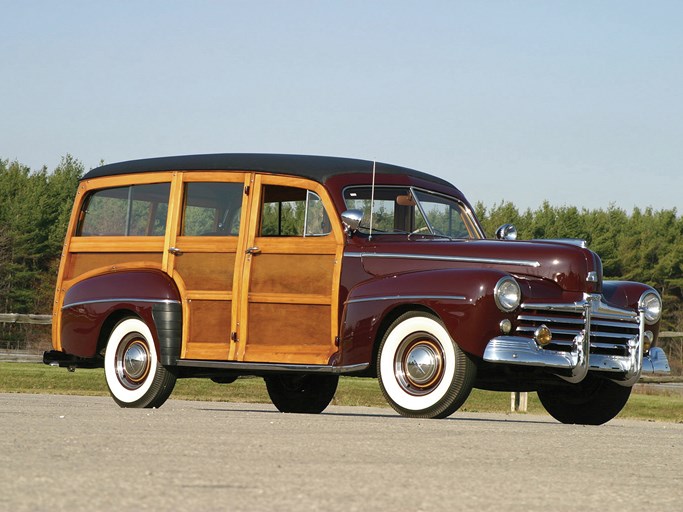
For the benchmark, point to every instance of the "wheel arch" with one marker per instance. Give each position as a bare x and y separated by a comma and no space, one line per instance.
389,318
93,307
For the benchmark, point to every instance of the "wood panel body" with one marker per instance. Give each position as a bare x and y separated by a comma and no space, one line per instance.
279,305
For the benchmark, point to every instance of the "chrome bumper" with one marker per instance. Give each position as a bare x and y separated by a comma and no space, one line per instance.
578,361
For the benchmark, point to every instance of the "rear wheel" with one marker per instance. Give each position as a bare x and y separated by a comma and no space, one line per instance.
591,402
422,371
131,367
309,394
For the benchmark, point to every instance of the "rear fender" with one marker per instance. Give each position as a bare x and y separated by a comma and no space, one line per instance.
93,306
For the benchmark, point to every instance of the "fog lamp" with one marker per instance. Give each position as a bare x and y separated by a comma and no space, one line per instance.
543,335
505,326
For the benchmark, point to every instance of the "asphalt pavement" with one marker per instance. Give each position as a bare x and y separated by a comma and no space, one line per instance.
85,453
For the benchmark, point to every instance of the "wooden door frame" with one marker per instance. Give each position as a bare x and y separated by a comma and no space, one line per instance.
291,243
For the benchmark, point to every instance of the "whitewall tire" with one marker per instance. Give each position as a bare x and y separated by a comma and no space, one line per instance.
422,371
131,367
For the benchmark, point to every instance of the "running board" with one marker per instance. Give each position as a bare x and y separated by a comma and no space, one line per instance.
271,367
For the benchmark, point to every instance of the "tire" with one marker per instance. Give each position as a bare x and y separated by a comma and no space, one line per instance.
591,402
441,375
308,394
131,367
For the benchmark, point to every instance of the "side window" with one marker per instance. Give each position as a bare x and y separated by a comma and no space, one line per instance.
135,210
445,216
289,211
389,213
212,209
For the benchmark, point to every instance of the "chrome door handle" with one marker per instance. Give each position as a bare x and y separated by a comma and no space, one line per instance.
253,250
175,251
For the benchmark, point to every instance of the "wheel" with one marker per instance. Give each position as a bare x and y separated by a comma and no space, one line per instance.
422,371
134,376
591,402
309,394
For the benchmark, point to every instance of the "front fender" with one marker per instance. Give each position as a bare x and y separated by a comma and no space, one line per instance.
461,298
91,305
626,295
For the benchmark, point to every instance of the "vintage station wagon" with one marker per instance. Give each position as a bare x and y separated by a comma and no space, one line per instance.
300,269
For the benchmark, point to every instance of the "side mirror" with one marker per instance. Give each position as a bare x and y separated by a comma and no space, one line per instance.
351,220
506,232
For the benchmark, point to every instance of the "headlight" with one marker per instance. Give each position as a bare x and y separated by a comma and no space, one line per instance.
507,294
651,304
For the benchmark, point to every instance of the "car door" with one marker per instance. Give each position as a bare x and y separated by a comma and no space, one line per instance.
288,310
204,249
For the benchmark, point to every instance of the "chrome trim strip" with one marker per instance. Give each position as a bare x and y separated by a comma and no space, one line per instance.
553,330
407,297
122,299
271,367
567,332
550,319
618,325
614,335
598,309
460,259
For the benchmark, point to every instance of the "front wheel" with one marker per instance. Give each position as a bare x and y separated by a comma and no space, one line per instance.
309,394
422,371
591,402
134,376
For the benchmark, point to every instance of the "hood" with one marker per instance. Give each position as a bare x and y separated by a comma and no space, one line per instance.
573,268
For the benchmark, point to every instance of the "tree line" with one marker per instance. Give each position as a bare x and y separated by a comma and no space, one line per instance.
641,245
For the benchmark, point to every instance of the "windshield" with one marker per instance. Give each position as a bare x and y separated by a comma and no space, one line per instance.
411,211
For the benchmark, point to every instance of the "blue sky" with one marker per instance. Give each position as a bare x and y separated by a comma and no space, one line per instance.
574,102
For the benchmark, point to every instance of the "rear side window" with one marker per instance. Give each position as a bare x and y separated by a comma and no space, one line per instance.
212,209
135,210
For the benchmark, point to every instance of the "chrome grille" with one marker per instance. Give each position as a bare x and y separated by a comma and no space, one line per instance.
610,331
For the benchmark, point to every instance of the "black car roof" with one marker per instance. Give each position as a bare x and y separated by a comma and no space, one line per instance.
318,168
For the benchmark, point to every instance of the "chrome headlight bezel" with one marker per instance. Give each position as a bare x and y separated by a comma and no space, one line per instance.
507,294
650,303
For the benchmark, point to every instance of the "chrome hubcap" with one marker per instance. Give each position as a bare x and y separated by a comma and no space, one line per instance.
422,364
133,362
419,364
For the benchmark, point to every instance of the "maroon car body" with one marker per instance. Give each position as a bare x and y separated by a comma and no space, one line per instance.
301,268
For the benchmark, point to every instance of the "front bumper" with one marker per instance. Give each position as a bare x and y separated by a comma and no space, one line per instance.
576,358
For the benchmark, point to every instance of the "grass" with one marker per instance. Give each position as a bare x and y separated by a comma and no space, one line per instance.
38,378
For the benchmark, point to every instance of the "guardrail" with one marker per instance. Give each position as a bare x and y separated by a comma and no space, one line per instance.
16,318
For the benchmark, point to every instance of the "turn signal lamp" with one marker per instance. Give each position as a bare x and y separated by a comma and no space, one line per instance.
543,335
647,341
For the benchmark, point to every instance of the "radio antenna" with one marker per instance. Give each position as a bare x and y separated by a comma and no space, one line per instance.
372,196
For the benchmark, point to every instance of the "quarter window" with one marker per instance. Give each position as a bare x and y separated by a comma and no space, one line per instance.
136,210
